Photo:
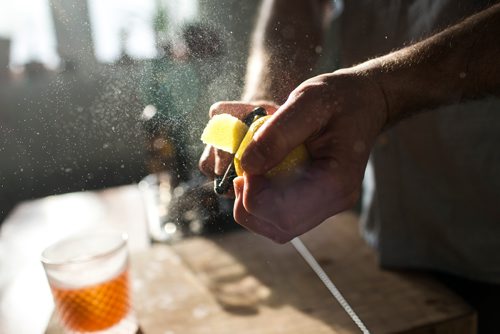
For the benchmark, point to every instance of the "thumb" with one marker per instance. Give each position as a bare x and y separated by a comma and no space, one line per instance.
289,127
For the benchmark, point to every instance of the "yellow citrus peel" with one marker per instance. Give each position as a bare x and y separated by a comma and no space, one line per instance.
230,134
296,158
224,132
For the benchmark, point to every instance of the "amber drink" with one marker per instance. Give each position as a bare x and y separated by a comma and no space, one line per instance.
88,276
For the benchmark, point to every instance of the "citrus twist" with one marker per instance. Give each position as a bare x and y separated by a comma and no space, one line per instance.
297,158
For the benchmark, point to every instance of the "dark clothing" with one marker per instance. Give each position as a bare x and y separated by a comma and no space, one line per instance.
432,188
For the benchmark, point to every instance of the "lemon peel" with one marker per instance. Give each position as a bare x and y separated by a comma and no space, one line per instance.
230,134
290,164
224,132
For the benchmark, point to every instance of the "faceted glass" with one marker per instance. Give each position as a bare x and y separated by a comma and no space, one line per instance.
89,278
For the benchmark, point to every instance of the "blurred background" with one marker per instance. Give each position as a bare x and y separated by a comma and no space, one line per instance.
102,93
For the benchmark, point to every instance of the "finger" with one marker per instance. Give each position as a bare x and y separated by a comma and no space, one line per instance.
207,162
240,109
222,161
253,223
291,125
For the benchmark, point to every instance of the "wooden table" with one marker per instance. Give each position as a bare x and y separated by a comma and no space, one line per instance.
228,283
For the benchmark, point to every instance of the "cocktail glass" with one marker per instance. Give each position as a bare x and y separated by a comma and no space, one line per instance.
89,278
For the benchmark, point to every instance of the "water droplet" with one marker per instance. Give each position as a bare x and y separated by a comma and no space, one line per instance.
148,112
170,228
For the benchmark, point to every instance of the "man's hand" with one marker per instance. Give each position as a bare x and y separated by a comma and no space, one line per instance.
337,116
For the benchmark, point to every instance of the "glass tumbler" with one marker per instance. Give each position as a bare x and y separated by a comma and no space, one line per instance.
89,278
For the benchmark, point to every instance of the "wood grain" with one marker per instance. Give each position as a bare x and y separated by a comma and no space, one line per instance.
242,283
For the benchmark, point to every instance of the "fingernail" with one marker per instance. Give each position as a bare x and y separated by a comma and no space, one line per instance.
238,184
219,169
253,160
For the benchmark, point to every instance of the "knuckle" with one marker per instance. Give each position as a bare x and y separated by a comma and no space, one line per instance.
206,162
315,84
206,168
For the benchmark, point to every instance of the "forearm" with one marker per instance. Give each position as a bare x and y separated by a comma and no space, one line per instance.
284,48
462,62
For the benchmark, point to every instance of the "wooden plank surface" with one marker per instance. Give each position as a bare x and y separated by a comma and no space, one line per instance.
243,283
236,302
33,225
237,267
226,283
261,287
387,301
